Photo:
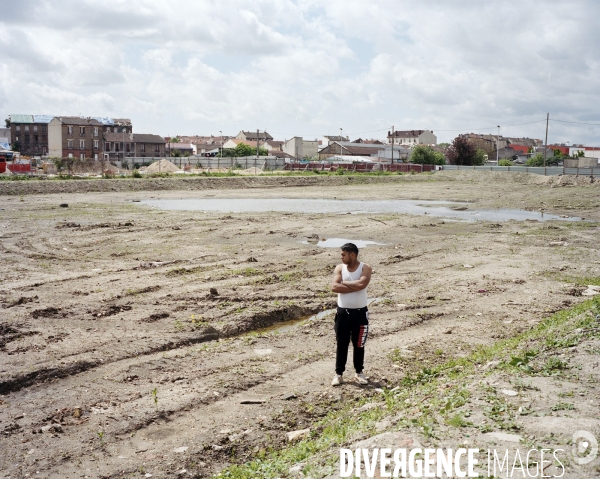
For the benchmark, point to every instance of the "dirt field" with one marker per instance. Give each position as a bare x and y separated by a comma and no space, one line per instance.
135,341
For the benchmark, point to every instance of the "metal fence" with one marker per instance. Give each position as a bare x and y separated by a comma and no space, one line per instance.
541,170
262,162
360,167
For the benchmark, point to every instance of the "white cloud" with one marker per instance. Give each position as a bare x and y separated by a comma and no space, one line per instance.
307,67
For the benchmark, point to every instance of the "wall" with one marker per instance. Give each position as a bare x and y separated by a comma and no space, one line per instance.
310,148
55,138
294,147
582,162
427,138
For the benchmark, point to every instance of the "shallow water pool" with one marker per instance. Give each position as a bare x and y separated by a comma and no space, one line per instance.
443,209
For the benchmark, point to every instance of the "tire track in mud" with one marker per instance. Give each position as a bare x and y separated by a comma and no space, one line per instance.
257,321
183,409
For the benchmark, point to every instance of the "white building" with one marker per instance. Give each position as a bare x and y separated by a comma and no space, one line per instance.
300,148
412,137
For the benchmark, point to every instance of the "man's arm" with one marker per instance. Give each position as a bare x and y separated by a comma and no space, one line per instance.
362,282
336,284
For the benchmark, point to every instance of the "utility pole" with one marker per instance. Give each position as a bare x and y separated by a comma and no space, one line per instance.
221,145
257,144
546,147
392,144
497,145
341,136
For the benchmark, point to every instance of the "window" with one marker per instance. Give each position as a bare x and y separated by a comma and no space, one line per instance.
128,146
70,155
69,130
17,138
82,144
69,143
116,146
18,128
96,156
96,131
96,144
35,128
82,156
156,148
107,146
82,131
35,138
143,147
44,130
44,150
115,129
26,127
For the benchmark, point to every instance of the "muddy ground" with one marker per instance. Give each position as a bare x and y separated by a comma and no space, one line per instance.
135,341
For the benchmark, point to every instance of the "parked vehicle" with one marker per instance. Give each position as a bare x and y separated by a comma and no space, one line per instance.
5,157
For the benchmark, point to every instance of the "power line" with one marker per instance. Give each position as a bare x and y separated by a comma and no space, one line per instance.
493,127
576,122
457,129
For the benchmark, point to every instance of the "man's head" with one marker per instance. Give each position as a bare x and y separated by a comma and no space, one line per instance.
349,253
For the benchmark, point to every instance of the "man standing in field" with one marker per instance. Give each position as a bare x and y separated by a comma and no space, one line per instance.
350,281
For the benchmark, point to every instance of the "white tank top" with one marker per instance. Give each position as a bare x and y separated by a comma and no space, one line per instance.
356,299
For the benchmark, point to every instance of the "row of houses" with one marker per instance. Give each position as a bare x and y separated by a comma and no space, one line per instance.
298,147
81,137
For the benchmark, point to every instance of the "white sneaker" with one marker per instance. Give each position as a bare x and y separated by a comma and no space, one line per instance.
360,378
337,380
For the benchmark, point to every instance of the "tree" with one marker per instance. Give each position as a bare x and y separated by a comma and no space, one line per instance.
175,140
461,152
15,146
242,149
176,153
443,145
7,121
489,147
505,162
426,155
480,157
538,160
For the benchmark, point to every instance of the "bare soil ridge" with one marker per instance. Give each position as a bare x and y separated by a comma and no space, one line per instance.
48,186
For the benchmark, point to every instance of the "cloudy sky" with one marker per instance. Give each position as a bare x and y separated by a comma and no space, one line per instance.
308,67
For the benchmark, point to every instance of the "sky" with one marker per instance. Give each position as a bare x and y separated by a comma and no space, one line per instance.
307,67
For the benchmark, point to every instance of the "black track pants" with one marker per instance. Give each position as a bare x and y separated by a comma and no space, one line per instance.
351,324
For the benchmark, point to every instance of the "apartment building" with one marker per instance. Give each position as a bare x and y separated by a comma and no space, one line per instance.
29,134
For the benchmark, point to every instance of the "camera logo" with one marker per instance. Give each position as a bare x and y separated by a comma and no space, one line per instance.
585,447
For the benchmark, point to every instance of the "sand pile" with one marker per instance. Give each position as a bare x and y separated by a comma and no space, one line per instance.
162,166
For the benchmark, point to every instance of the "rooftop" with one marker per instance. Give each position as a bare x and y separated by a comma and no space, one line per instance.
147,138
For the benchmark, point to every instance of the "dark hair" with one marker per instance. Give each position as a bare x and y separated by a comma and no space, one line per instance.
350,248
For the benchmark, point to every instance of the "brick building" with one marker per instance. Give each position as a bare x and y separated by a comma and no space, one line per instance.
148,145
70,136
29,134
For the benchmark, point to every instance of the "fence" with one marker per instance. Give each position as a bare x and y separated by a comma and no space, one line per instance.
273,163
360,167
538,170
262,162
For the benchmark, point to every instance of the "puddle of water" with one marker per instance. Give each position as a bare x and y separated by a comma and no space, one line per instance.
444,209
292,324
339,242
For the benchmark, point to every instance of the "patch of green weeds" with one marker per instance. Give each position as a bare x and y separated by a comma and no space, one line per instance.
458,421
178,325
563,406
554,365
249,271
522,362
579,280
